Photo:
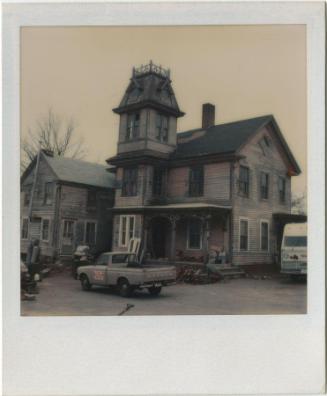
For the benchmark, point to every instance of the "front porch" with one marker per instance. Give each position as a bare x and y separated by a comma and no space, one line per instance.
186,234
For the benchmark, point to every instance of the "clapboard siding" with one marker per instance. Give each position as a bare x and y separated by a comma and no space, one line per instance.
69,201
137,200
216,184
254,208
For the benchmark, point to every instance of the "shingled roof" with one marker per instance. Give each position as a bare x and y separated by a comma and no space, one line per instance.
226,139
150,85
80,172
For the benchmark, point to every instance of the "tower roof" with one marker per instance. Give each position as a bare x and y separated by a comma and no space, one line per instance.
150,86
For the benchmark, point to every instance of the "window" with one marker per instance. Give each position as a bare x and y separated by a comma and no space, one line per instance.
129,188
244,181
162,123
266,140
133,126
196,181
295,241
194,240
126,229
45,228
68,229
282,189
91,199
90,233
157,183
244,234
48,193
264,235
103,259
264,185
25,228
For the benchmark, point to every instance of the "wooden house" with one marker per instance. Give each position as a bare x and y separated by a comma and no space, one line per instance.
64,203
219,186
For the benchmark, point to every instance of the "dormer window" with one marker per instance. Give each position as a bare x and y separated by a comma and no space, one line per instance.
133,126
162,123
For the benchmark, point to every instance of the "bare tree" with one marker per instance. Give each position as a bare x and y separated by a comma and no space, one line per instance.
299,203
51,134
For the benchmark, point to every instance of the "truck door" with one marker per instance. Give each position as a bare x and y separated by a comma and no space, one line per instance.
99,271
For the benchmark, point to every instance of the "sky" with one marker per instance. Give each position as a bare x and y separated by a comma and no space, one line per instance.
245,71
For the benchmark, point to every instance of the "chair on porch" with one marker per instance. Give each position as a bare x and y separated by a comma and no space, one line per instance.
134,245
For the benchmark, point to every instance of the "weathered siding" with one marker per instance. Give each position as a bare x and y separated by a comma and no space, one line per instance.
216,184
254,208
137,200
68,202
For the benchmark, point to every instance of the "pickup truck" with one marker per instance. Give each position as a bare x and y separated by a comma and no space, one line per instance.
122,270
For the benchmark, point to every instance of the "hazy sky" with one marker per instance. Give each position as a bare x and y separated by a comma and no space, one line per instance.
246,71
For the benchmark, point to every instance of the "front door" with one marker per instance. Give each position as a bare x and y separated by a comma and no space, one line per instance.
159,234
67,237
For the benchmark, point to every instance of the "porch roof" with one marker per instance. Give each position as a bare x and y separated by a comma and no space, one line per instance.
191,206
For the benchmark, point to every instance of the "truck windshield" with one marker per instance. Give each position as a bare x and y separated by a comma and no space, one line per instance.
295,241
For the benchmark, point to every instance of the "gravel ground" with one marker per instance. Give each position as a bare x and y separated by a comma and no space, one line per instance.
61,295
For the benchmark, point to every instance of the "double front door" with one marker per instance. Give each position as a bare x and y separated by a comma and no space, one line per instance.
67,236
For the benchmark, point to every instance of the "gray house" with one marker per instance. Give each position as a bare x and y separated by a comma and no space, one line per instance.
218,186
64,203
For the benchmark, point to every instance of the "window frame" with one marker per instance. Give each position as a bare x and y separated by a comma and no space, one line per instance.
88,206
133,126
248,234
266,197
46,196
95,230
27,197
162,132
127,231
244,186
282,199
262,221
188,247
43,219
22,228
124,190
162,182
191,183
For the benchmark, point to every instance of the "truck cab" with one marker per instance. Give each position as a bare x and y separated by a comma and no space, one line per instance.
294,250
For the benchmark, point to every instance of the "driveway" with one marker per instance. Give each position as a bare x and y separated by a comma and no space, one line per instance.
62,295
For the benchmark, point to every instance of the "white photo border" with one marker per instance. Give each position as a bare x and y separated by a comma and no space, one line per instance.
164,354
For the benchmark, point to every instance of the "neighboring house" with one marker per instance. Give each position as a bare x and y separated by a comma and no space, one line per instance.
67,206
184,194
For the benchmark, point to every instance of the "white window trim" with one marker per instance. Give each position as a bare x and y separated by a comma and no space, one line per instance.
239,236
95,231
127,229
28,228
41,233
188,237
267,222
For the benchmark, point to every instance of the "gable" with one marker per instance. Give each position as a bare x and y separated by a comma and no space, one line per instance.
268,147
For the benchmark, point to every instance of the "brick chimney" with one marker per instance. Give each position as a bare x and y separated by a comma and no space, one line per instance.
208,115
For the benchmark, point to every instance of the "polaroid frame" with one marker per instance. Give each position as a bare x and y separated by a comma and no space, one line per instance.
170,355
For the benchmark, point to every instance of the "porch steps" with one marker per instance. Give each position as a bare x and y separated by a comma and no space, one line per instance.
230,271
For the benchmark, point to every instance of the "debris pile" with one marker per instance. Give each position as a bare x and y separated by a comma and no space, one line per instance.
196,275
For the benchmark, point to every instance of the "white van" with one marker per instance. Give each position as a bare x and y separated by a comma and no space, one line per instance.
294,249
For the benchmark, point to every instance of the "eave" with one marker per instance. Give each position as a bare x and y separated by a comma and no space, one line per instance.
148,103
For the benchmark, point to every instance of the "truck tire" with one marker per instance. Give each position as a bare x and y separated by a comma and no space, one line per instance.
154,291
124,288
85,283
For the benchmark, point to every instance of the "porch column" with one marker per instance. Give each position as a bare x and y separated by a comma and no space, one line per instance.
206,235
146,226
173,221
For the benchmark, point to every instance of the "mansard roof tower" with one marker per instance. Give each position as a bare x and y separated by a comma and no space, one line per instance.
148,114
